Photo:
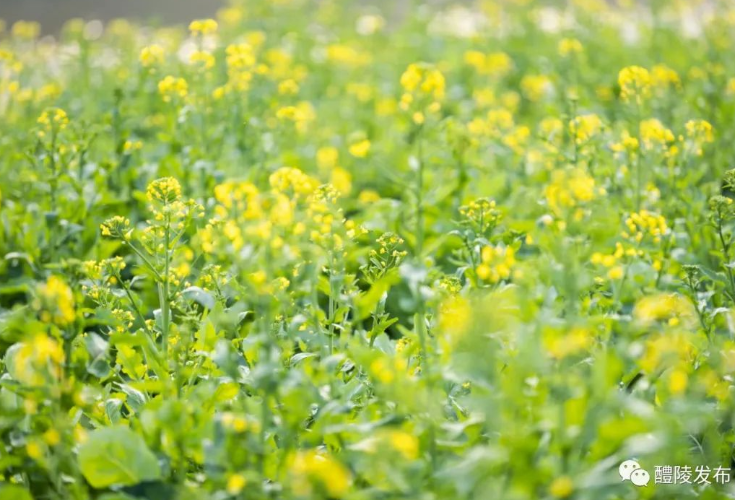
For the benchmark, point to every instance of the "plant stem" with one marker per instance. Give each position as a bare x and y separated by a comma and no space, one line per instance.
164,291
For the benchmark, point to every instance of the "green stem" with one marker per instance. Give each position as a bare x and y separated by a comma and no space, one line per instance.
146,260
164,291
420,199
726,252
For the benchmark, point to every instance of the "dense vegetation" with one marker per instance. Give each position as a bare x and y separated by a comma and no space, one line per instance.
310,250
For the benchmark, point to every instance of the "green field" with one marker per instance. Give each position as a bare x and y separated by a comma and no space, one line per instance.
319,250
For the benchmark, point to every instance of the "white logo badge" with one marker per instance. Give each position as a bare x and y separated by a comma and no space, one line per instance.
630,470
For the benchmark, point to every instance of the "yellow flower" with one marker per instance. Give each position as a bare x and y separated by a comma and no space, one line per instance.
203,27
561,344
35,361
423,88
616,273
678,381
346,55
230,15
57,302
645,223
730,89
235,484
569,46
301,115
327,157
202,58
368,196
663,77
28,30
151,55
381,370
654,134
635,82
287,179
52,437
404,443
172,87
536,87
664,307
585,127
288,87
496,263
360,149
35,449
310,469
130,146
341,179
699,132
569,188
116,227
240,56
53,119
666,350
562,487
165,190
497,64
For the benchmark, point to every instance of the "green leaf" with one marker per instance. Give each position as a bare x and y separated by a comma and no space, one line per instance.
301,356
367,302
200,296
12,492
117,456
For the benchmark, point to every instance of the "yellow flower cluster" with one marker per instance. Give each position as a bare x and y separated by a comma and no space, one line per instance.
27,30
699,132
424,88
241,196
37,361
321,472
612,261
496,263
202,59
569,188
564,343
347,55
635,83
496,64
151,55
116,227
569,46
331,228
165,190
455,317
56,302
53,119
536,87
645,223
585,127
360,149
300,115
240,56
203,27
654,134
293,181
172,87
669,308
663,78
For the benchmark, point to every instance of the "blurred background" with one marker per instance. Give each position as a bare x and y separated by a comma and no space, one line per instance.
52,14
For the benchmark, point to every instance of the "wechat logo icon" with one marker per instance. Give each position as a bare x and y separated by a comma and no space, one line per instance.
630,470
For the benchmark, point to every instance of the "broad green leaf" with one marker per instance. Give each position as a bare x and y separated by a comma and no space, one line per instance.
117,456
13,492
200,296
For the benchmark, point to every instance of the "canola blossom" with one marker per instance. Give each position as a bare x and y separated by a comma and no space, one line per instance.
320,250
